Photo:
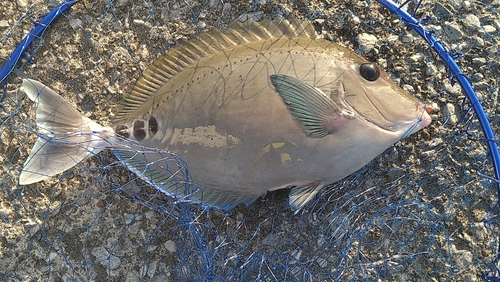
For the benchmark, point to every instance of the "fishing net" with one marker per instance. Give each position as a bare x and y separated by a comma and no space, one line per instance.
425,210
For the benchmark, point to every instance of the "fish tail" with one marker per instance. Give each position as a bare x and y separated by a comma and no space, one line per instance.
66,137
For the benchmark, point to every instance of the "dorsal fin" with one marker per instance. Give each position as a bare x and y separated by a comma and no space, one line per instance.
207,43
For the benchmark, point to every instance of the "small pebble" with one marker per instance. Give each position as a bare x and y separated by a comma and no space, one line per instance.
466,5
366,42
489,29
152,268
472,22
440,10
457,4
392,39
449,113
75,23
417,57
201,24
101,203
479,61
226,9
452,30
409,88
213,3
431,69
170,246
139,22
105,258
5,212
496,23
463,258
407,38
355,20
478,42
477,77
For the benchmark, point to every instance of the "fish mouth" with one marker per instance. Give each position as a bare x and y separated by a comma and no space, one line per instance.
406,122
404,117
422,120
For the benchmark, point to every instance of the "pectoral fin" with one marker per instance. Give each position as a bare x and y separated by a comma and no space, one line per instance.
301,195
312,109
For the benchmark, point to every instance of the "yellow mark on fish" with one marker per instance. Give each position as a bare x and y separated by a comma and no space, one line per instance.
261,153
206,136
285,158
278,145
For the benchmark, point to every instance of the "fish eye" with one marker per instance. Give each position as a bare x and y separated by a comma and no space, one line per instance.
369,71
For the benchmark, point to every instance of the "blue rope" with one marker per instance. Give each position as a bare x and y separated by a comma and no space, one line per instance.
458,76
27,41
461,78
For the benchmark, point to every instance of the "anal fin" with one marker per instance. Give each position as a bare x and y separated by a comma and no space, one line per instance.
170,174
164,171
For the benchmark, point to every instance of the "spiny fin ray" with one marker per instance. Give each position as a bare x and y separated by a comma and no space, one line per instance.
206,44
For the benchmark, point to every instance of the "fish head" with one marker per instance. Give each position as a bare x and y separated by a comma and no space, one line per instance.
373,95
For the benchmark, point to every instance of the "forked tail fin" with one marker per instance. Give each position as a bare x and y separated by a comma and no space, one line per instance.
66,137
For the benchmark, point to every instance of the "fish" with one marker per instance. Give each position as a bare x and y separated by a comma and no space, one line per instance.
250,108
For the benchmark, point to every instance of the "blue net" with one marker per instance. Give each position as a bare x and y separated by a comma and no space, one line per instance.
425,210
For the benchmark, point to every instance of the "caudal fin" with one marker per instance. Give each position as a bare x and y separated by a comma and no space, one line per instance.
66,136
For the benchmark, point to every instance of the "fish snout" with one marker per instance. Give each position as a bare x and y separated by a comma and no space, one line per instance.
424,119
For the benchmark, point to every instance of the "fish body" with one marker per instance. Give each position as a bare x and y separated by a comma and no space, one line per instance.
250,109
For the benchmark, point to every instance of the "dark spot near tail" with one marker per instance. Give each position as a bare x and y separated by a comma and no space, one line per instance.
139,132
152,126
122,130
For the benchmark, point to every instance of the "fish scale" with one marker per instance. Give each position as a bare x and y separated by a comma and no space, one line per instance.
253,108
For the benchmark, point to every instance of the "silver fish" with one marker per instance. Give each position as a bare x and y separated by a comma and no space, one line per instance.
252,108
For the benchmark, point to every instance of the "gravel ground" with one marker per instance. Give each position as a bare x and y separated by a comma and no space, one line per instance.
415,213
